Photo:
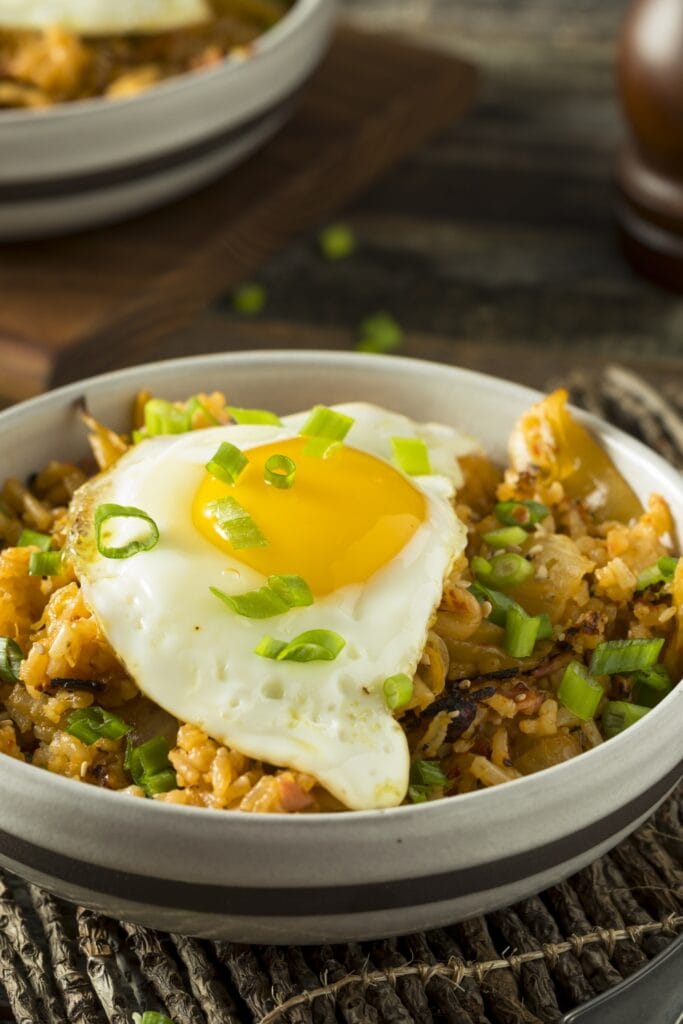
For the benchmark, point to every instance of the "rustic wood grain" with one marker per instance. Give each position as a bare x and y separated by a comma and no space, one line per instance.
75,306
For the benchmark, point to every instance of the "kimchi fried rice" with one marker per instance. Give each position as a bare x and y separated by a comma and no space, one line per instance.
557,539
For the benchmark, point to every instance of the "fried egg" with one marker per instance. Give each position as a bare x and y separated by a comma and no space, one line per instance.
101,17
373,544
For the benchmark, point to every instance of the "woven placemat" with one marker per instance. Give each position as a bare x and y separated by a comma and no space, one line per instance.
528,964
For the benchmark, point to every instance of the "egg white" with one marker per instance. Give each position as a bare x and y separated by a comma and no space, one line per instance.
98,17
195,658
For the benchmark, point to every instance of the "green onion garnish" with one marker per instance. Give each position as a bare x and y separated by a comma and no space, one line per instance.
617,715
281,594
321,447
337,242
103,513
651,686
663,571
237,525
45,563
258,416
579,692
521,513
228,463
411,455
418,794
500,603
92,724
505,537
150,1017
150,767
427,773
194,405
521,632
398,691
379,333
163,417
328,423
313,645
545,629
29,539
625,656
280,471
11,657
508,570
249,299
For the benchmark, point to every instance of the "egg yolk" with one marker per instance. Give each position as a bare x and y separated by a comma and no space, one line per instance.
343,518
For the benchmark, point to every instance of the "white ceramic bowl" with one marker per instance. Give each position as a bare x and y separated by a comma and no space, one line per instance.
86,163
279,878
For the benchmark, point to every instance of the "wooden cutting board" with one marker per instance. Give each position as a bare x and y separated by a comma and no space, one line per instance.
81,305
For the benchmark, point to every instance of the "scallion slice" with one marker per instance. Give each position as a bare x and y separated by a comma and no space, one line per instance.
228,463
313,645
336,242
163,417
329,423
150,767
398,691
625,656
545,629
521,513
618,715
418,794
427,773
237,525
662,571
651,686
92,724
505,537
103,513
194,405
31,539
509,570
280,471
45,563
521,632
379,333
579,692
411,455
151,1017
321,447
11,657
500,603
481,567
281,594
257,416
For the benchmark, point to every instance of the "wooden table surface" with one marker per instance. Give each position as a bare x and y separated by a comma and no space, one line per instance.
493,246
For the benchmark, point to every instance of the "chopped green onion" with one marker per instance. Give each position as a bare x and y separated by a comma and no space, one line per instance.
618,715
280,471
92,724
257,416
625,656
249,299
398,691
150,1017
509,569
500,603
228,463
663,571
481,567
337,242
521,632
313,645
418,794
11,657
521,513
281,594
579,692
411,455
163,417
328,423
29,539
150,767
237,525
545,629
651,686
427,773
505,537
379,333
321,447
103,513
194,405
45,563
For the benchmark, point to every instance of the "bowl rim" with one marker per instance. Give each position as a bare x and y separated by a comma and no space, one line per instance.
263,46
61,397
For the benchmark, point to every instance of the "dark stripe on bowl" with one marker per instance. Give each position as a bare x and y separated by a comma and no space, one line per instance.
125,174
320,901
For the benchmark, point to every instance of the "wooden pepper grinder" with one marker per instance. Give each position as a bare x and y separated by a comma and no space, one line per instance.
650,167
